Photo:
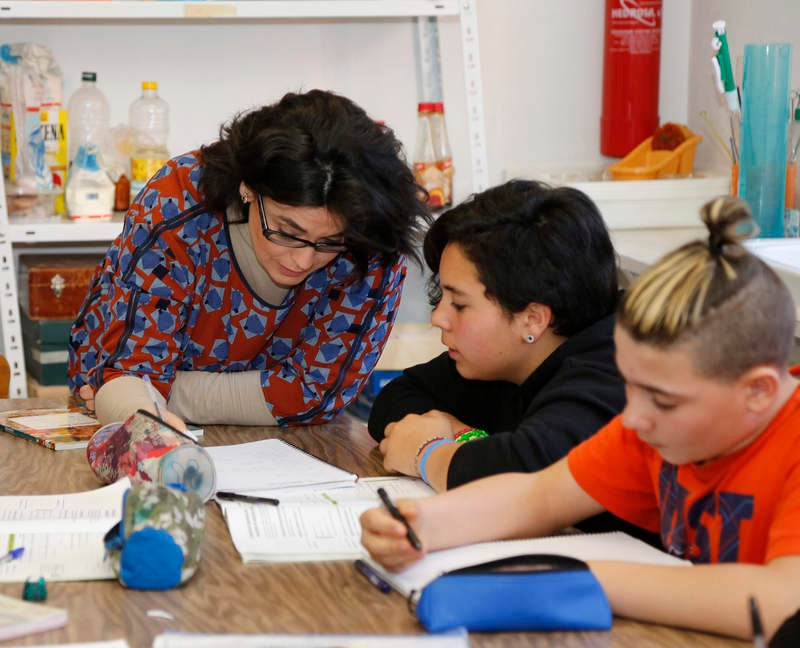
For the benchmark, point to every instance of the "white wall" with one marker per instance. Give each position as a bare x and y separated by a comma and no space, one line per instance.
541,64
765,21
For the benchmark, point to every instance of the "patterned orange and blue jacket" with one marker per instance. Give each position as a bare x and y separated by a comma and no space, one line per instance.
169,296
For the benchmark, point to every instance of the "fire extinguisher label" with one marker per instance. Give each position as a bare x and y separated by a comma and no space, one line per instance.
635,27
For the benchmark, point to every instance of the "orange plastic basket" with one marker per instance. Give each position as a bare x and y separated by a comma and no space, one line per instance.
643,163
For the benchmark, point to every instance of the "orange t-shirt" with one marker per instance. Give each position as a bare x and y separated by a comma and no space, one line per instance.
744,507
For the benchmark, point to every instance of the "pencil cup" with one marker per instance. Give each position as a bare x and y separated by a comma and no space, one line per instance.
765,119
146,449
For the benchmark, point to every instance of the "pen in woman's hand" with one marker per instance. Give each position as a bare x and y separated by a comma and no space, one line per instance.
397,515
153,396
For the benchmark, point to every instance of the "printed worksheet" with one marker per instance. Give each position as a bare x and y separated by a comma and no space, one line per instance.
61,536
311,525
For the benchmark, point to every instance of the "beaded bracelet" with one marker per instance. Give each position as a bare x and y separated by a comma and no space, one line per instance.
424,460
421,447
468,434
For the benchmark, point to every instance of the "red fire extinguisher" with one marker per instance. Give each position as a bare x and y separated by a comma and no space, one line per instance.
631,60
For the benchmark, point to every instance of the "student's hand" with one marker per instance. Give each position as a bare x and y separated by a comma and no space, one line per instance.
385,538
403,438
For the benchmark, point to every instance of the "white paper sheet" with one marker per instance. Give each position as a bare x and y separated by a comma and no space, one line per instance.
314,525
62,534
272,464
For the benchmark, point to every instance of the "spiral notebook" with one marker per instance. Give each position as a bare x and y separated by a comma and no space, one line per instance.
614,545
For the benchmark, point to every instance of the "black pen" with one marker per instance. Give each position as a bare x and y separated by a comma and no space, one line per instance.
755,621
397,515
372,576
238,497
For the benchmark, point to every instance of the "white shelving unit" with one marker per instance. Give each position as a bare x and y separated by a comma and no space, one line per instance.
49,231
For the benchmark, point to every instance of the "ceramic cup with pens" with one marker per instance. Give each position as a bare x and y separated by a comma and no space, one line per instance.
145,448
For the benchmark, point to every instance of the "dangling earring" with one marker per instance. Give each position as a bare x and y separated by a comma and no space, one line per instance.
530,339
244,198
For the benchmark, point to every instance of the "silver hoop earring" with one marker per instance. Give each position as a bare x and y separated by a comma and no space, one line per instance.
530,339
244,198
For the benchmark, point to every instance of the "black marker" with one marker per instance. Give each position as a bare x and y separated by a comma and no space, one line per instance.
372,576
238,497
397,515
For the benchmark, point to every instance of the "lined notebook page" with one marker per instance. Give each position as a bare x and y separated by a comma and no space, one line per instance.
615,545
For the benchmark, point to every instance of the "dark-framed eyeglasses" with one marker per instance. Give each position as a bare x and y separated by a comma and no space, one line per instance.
291,241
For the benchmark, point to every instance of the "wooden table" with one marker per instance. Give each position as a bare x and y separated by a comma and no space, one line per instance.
226,595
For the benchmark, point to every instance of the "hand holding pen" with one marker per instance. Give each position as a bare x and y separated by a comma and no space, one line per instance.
154,397
759,641
397,515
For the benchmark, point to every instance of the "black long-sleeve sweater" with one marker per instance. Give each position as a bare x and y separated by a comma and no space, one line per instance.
571,395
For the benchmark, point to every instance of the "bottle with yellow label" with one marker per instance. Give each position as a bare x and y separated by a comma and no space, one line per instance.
149,120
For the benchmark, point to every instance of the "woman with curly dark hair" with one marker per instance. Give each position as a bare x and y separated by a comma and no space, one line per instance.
255,280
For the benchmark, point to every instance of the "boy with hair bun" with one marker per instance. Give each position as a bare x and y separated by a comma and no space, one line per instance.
706,451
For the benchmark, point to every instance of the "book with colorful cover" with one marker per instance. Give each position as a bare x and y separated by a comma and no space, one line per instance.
64,428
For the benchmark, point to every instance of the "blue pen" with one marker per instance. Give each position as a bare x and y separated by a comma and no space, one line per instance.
372,576
12,555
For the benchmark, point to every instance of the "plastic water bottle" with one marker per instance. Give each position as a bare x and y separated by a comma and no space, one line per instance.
149,120
88,118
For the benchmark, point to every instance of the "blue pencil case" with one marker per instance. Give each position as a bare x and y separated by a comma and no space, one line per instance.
520,593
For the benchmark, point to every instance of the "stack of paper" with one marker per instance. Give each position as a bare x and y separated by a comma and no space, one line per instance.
273,464
317,518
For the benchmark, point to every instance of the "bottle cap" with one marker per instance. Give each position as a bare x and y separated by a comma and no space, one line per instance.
437,106
88,76
149,85
425,106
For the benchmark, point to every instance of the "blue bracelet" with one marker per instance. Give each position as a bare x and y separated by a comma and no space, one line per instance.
424,460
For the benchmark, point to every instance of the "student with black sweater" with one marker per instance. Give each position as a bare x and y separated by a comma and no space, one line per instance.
524,285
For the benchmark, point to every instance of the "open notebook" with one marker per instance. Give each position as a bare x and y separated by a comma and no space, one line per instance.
615,545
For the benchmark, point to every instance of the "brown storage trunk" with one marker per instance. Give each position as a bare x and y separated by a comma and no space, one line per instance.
55,286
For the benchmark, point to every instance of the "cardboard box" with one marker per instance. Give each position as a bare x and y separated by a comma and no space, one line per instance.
55,286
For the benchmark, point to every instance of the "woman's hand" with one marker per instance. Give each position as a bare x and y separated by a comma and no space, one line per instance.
403,438
385,538
87,394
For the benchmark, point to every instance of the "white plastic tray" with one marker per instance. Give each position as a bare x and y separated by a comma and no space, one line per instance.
637,204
